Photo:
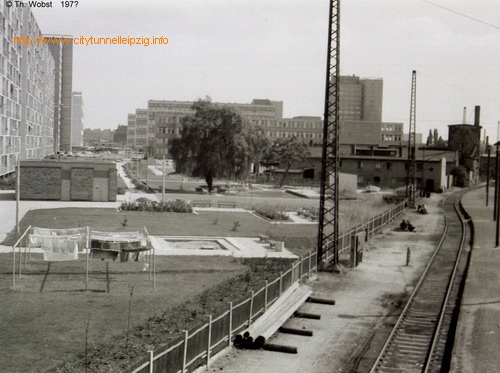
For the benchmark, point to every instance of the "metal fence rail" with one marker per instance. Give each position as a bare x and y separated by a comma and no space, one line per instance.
370,227
198,344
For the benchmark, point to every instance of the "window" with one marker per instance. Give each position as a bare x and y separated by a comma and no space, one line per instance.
376,179
360,164
378,165
389,165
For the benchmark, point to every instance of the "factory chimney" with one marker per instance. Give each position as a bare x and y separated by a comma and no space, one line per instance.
477,115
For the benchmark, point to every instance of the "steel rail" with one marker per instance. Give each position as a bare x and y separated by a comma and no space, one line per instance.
428,363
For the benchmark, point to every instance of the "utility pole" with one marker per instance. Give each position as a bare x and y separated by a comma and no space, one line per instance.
163,181
410,174
488,149
329,192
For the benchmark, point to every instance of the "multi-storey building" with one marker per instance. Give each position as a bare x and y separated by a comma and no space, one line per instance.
28,89
360,114
162,120
97,137
77,122
309,129
142,129
131,131
360,99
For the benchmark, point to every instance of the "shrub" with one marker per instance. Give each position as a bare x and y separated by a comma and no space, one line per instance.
144,204
392,198
272,214
309,213
8,183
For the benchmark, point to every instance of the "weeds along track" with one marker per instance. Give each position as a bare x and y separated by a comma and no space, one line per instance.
417,342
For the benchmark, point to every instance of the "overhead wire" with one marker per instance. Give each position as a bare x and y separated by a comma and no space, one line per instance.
461,14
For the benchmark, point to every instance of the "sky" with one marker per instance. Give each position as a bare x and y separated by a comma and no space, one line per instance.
238,50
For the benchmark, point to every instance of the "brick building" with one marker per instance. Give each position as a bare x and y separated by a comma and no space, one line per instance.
64,180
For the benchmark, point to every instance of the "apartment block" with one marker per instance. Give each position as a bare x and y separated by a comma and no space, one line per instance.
162,120
27,75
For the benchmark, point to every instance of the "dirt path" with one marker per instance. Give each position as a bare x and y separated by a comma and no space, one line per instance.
368,299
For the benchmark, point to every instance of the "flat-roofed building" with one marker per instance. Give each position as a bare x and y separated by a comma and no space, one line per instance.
28,85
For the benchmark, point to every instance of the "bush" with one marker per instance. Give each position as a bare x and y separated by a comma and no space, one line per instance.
392,198
272,214
309,213
144,204
8,183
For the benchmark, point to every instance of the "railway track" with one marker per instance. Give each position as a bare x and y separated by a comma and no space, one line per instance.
418,341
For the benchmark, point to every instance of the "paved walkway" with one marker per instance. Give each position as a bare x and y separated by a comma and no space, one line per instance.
477,339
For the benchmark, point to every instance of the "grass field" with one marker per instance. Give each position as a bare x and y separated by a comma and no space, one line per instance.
45,329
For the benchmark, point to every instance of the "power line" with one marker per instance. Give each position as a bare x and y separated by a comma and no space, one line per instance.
463,15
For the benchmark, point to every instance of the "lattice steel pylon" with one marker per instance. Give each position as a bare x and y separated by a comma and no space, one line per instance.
410,172
329,193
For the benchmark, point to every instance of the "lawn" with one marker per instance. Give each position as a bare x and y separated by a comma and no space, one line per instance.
45,329
208,223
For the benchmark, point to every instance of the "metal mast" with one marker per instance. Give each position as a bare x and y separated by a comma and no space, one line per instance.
410,175
329,193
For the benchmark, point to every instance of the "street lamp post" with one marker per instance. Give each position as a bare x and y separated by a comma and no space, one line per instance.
497,194
488,174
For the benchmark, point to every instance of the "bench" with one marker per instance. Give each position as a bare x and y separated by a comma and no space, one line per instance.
202,203
227,204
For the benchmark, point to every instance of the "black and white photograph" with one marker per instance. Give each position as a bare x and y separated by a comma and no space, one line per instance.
249,186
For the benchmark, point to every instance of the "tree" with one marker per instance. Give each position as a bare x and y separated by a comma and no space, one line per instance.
286,152
460,175
216,142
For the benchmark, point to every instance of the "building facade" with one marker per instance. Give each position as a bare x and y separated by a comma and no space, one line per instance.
162,120
360,99
62,54
97,137
68,180
77,120
28,89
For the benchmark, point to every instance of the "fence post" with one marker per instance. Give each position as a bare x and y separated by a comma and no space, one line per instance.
184,354
309,267
13,268
230,333
251,309
209,339
265,296
151,360
281,283
300,268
